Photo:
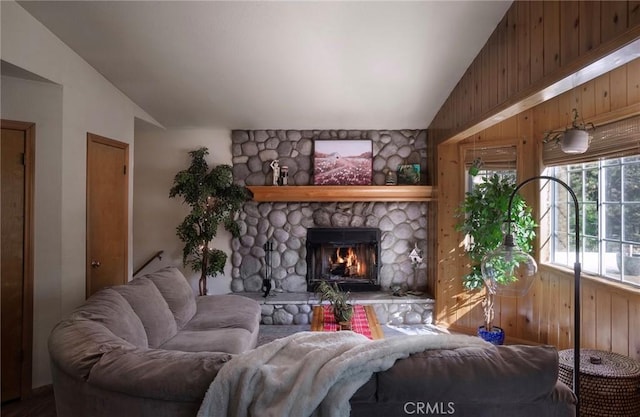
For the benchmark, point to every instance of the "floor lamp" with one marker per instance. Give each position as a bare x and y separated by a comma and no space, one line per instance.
509,254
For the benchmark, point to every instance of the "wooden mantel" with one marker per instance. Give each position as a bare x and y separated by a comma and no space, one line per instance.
330,193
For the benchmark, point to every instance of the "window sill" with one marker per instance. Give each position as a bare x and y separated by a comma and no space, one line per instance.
619,286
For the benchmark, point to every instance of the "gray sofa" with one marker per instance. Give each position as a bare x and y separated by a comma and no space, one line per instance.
513,380
147,349
151,349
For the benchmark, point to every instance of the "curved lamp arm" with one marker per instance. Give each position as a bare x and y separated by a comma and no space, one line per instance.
576,277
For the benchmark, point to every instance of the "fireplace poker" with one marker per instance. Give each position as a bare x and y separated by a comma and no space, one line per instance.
266,282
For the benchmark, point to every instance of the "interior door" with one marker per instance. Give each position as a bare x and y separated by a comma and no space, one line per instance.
16,190
107,212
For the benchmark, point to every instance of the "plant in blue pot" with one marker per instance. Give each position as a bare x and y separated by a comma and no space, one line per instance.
482,215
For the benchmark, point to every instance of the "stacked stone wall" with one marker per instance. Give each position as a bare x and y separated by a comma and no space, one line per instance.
386,313
403,224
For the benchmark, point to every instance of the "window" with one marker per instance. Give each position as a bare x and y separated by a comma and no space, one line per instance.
606,180
472,181
608,192
488,161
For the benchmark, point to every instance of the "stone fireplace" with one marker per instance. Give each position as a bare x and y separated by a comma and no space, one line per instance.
400,225
349,257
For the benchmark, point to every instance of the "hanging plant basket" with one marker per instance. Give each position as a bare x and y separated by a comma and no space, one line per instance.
575,141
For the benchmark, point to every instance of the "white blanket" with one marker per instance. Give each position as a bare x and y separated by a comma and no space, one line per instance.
310,373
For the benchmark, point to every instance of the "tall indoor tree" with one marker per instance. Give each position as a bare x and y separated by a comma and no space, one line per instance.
483,214
214,200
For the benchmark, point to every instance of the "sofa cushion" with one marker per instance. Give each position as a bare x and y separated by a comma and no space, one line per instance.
158,374
112,310
153,310
177,292
214,340
496,375
76,345
225,311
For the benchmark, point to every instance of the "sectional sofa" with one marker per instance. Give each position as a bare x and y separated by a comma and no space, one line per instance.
151,348
148,348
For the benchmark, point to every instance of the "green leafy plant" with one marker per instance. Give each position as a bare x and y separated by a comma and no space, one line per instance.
214,200
483,214
339,300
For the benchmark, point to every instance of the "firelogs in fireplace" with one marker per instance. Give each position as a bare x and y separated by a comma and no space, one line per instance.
343,270
345,263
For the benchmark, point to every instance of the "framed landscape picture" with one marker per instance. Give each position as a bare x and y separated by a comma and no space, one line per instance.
342,162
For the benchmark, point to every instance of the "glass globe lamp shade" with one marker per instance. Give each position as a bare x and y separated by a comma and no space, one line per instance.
508,271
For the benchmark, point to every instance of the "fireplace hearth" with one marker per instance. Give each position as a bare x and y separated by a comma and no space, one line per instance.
347,256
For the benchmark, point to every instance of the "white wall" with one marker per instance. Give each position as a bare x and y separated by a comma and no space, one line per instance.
41,103
159,155
89,103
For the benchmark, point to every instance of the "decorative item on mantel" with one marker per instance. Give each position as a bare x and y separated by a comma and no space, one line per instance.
284,175
409,174
342,162
391,178
276,171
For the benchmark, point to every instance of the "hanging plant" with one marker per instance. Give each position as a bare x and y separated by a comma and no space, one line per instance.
214,200
574,139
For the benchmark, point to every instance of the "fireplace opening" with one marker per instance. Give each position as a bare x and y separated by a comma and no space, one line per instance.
349,257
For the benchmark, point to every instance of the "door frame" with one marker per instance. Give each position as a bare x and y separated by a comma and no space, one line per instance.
29,130
92,137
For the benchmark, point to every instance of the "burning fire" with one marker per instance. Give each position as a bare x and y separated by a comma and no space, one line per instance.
350,259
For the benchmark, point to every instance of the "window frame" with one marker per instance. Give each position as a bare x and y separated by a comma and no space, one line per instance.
601,203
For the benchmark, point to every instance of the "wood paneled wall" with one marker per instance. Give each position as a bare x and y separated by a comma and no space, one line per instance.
535,44
610,311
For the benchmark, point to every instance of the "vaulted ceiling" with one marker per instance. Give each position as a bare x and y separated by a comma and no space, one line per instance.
278,65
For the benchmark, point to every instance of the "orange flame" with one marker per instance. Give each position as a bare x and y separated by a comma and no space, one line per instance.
351,259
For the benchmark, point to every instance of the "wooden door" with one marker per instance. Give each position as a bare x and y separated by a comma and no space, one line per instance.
16,257
107,212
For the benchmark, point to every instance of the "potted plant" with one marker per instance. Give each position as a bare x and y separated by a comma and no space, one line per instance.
340,302
214,200
483,214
